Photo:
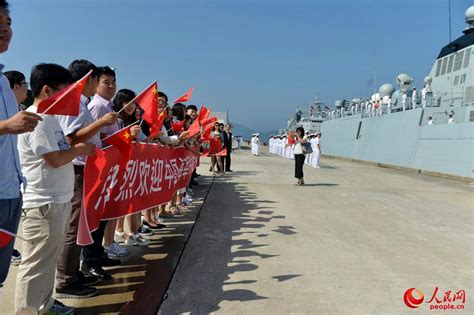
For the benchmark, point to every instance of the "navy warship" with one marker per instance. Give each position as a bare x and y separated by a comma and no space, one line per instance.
429,130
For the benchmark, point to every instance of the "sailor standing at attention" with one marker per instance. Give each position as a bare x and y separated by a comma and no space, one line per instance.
413,98
423,96
257,144
317,150
450,119
252,144
430,121
389,105
404,101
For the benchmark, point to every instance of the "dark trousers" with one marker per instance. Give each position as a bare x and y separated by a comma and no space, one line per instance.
226,160
299,162
93,253
10,211
69,259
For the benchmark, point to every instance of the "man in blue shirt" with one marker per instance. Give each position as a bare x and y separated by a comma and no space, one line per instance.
12,123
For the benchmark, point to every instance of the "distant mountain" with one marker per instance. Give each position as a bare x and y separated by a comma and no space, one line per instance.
246,132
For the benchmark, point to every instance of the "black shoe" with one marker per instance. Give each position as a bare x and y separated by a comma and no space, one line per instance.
159,226
76,291
96,271
88,281
194,183
197,175
108,262
229,171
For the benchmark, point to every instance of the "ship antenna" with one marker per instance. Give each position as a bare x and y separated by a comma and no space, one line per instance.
374,71
449,12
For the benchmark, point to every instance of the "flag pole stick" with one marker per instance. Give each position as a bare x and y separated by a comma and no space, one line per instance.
70,88
126,105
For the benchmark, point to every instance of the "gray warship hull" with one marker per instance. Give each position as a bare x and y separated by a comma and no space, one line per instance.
400,139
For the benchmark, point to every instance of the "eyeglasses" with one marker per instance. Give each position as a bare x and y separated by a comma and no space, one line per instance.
24,83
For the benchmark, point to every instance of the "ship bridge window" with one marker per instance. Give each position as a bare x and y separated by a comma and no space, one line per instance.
438,67
456,80
463,78
468,56
458,60
450,64
445,63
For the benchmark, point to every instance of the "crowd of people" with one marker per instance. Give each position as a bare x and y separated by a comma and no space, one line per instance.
290,147
42,160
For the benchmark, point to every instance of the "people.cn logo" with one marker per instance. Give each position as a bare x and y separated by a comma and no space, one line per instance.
413,298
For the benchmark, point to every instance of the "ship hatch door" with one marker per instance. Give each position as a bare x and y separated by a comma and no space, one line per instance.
358,130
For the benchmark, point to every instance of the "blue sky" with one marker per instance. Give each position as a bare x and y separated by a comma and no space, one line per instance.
258,59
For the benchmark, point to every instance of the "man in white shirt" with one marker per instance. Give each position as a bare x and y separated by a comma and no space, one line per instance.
450,119
46,159
413,98
70,282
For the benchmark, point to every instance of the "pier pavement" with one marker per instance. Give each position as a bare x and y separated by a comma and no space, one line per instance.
351,241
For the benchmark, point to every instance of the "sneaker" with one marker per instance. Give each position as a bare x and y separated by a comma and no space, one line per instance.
16,258
115,250
144,231
189,191
120,237
137,240
186,202
87,281
59,308
76,291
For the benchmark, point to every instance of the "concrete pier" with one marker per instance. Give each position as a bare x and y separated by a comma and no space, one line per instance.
351,241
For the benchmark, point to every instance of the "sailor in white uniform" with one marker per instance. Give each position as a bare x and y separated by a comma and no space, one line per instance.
404,101
424,91
317,150
413,98
450,119
257,144
430,121
389,105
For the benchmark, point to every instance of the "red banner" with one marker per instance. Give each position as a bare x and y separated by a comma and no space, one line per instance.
151,176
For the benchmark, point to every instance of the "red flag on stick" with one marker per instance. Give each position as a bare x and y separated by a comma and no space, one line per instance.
121,140
156,128
208,121
222,153
148,101
203,113
177,126
194,129
65,102
206,134
186,97
5,237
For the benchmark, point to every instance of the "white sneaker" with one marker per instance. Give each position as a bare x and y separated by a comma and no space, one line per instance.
137,240
115,250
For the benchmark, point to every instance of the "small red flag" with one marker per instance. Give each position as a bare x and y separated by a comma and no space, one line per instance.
177,126
5,237
65,102
222,153
207,121
186,97
156,127
194,129
148,101
206,134
121,140
203,113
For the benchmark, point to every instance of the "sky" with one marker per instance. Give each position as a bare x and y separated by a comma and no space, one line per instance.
258,59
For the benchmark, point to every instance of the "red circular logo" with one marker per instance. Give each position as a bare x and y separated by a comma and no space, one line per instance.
411,300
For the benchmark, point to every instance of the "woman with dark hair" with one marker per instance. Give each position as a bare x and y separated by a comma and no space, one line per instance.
300,139
126,118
